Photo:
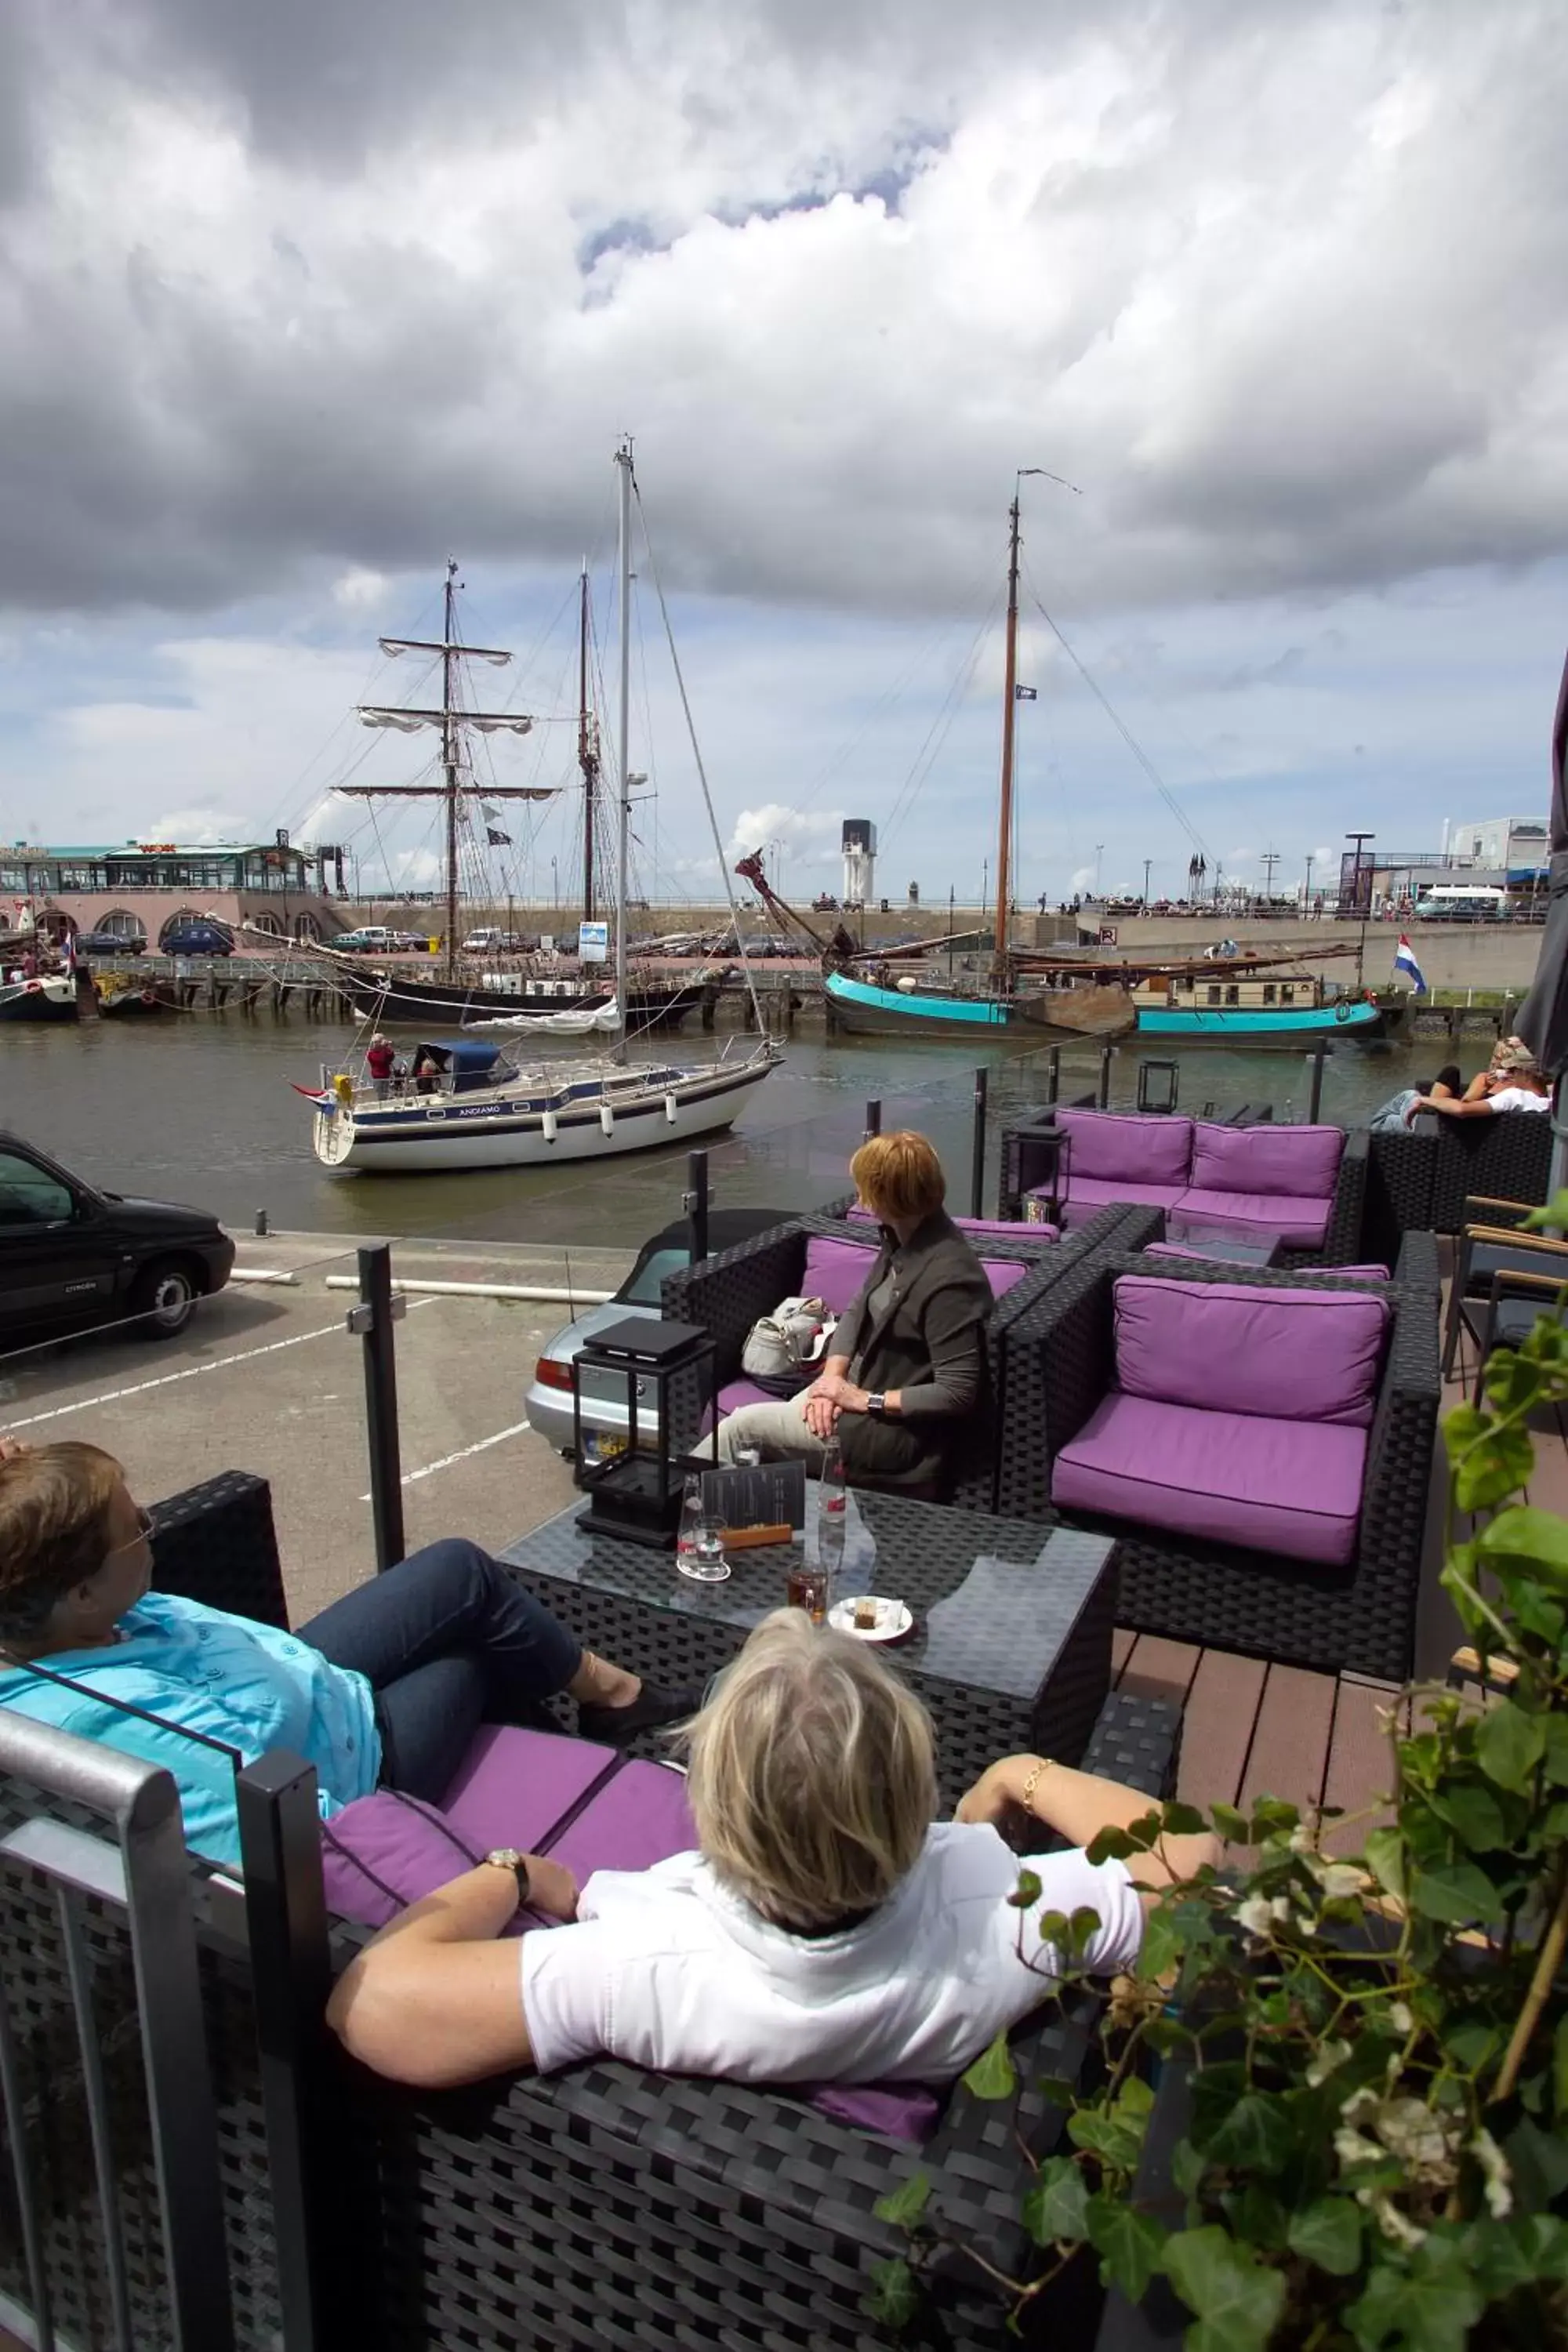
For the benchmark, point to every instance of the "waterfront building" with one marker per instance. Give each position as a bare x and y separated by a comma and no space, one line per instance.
140,888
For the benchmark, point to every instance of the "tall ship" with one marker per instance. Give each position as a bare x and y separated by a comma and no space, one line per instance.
466,991
491,1102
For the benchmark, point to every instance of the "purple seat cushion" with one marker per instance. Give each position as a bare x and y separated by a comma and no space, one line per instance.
1002,1273
1292,1488
1231,1348
1300,1161
514,1787
1300,1224
836,1270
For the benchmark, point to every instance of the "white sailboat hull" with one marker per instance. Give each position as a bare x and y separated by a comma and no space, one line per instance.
450,1133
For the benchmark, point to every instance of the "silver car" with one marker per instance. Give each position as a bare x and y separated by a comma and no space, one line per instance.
604,1421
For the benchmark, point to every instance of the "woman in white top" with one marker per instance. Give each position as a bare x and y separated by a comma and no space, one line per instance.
826,1930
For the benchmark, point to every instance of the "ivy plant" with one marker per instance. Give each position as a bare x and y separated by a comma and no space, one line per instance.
1371,2015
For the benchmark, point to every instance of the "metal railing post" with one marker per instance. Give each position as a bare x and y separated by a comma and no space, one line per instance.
873,1119
1319,1055
320,2296
372,1320
694,1201
977,1162
1105,1053
1054,1073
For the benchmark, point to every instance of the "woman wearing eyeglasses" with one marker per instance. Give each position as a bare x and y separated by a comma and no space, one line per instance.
385,1687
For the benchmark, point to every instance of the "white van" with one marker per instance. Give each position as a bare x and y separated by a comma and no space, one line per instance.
1456,902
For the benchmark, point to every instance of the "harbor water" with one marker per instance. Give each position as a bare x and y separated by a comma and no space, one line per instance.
200,1107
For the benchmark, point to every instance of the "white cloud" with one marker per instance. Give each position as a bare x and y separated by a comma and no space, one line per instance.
809,834
1080,884
196,827
360,590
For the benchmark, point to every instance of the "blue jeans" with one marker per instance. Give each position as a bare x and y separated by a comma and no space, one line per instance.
447,1642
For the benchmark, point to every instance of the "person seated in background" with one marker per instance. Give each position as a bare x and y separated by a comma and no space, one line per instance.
1514,1080
826,1929
386,1686
907,1363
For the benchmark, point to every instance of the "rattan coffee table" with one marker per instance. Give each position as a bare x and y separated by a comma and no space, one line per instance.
1010,1656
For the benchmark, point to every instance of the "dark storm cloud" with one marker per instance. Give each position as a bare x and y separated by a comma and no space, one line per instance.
313,285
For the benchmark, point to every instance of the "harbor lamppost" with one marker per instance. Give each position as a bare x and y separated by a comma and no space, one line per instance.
1363,906
1147,863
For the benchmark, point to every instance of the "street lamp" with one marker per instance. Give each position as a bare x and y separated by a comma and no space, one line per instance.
1147,863
1363,908
554,886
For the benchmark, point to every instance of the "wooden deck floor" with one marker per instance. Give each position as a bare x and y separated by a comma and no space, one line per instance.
1251,1729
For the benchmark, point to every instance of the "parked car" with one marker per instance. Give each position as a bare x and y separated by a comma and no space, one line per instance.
109,943
370,939
486,942
548,1403
196,938
71,1254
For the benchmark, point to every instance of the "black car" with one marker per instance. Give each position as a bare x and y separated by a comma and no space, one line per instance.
197,939
109,943
71,1254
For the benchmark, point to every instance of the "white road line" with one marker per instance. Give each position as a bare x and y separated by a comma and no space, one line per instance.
190,1372
411,1477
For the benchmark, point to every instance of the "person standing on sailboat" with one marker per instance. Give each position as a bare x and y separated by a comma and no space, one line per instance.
908,1373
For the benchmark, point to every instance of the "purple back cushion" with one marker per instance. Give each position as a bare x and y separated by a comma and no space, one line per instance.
1285,1355
1008,1227
835,1270
1301,1162
1142,1150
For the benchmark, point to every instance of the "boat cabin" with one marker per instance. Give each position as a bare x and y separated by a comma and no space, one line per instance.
1230,990
461,1068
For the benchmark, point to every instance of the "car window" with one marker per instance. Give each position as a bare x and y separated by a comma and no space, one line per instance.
643,1288
29,1195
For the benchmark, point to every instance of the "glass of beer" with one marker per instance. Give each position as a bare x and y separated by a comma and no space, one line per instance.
805,1587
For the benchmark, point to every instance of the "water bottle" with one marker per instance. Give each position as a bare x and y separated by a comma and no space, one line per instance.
691,1518
832,1508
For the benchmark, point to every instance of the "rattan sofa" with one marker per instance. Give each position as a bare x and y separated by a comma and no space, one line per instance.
1421,1179
1361,1618
727,1293
605,2207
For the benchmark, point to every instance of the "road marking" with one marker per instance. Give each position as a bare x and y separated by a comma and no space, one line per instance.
191,1372
411,1477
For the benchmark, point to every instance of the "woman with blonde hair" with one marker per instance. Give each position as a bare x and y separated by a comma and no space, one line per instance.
826,1929
908,1370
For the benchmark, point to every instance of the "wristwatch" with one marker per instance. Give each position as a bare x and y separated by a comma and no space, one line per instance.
507,1857
877,1405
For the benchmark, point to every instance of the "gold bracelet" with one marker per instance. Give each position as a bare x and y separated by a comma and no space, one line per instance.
1041,1764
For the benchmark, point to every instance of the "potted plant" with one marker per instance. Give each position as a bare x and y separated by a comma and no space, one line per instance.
1333,2115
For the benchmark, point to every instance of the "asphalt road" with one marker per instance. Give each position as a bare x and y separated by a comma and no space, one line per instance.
269,1378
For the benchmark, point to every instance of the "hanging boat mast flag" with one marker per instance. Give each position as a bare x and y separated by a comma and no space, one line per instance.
1404,961
1025,694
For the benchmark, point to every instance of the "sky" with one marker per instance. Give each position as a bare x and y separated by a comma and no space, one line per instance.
295,301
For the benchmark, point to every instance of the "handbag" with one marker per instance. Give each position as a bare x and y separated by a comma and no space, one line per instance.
783,1346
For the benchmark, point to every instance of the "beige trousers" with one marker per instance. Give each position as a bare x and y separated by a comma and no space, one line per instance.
777,1431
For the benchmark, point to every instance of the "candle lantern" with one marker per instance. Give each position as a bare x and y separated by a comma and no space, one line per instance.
666,1373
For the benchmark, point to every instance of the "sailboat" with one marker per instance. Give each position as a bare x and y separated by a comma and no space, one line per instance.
473,1104
467,996
917,1007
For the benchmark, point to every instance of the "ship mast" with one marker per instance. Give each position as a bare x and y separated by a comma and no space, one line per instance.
451,718
623,746
1009,701
587,754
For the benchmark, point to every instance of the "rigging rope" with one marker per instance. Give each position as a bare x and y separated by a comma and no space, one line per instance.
696,755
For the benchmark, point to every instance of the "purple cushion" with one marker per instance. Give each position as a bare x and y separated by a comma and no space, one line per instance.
1002,1273
1299,1222
1292,1488
836,1270
901,2111
1300,1161
1146,1149
1228,1348
1086,1194
514,1788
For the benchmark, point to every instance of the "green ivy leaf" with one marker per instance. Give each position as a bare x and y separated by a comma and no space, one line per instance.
1232,1825
1272,1817
1235,2300
1055,2210
1427,2308
1058,2091
1118,2144
1183,1821
1257,2136
1385,1859
894,2297
1188,2168
1495,1468
1524,1532
992,2074
1542,2239
1111,1845
1471,2043
1551,1218
1162,1947
1560,2068
1027,1891
1510,1744
1462,1427
1130,2245
1555,1758
1329,2234
1539,2160
1473,1813
904,2205
1495,2257
1456,1892
1082,1928
1135,2097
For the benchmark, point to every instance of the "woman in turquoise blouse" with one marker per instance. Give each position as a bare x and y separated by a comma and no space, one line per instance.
385,1687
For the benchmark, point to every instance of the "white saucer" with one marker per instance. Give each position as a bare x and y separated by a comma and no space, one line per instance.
893,1620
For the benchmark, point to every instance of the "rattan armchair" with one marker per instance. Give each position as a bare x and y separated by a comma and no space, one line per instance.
1360,1617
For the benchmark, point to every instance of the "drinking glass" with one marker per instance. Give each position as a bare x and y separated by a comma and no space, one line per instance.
705,1561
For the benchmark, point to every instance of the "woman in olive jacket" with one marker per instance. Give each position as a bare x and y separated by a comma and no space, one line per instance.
907,1379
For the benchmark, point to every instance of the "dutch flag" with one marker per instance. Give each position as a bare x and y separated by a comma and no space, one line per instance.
1404,961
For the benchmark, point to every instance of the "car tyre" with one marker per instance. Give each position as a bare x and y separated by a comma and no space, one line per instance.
164,1296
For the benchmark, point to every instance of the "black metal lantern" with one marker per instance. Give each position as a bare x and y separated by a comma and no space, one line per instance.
667,1373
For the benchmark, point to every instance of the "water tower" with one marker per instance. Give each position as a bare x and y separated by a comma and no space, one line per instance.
859,861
